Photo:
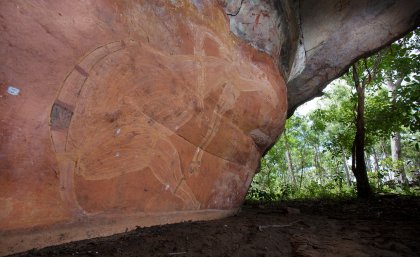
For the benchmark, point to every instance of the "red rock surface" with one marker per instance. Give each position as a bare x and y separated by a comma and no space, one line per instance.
130,113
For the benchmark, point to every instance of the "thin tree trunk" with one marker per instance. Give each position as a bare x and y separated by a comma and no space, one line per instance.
318,165
301,170
396,156
395,136
346,167
340,181
289,159
376,161
368,163
285,174
385,154
358,149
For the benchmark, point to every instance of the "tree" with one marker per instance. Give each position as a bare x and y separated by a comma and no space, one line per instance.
401,64
358,164
333,124
356,118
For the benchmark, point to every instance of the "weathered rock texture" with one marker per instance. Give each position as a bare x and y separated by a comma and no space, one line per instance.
129,113
315,41
123,113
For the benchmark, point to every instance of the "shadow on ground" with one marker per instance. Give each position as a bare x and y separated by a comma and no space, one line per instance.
383,226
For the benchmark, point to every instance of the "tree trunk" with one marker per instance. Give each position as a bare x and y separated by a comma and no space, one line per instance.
395,136
358,150
318,166
289,159
396,157
340,180
385,154
376,161
301,169
368,163
346,167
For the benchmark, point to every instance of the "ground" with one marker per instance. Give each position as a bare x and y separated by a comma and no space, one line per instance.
382,226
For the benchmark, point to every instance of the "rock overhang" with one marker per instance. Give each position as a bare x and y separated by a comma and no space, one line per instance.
135,113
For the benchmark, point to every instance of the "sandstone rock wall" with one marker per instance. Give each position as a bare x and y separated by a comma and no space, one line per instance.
129,113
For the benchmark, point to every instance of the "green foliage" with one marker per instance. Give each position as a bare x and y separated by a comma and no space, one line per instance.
319,144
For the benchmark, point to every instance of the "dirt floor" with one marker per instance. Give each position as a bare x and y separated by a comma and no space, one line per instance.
384,226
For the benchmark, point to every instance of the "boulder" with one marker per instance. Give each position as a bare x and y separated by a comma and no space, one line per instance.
125,114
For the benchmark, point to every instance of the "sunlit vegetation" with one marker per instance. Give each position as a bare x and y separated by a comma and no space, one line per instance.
315,156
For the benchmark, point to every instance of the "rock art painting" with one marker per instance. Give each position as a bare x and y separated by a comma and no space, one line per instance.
129,113
123,113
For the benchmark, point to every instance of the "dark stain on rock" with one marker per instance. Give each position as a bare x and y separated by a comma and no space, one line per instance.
112,116
61,115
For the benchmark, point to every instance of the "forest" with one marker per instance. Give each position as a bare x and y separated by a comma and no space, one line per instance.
373,105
